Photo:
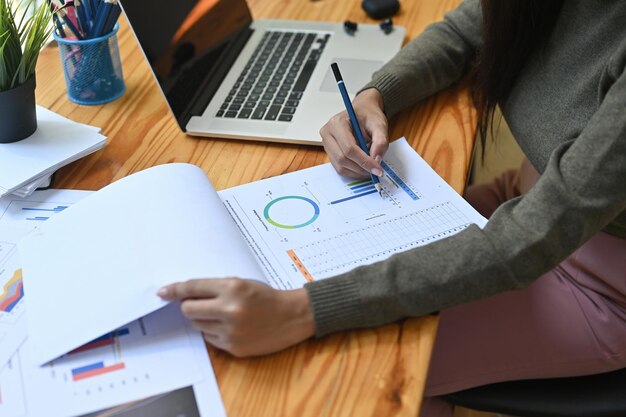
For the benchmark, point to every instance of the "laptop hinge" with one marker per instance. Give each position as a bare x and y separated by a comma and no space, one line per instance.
212,82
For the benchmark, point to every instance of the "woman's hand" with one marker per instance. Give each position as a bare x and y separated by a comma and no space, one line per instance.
245,318
341,145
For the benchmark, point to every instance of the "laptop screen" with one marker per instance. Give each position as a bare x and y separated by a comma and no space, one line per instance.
185,41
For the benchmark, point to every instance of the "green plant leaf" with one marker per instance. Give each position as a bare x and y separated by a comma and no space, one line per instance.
21,41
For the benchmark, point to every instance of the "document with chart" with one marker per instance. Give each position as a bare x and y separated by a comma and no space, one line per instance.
167,224
313,224
19,216
157,365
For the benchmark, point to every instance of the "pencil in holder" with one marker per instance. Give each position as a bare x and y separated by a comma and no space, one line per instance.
92,68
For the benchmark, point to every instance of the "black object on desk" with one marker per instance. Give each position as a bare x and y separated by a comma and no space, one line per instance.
380,9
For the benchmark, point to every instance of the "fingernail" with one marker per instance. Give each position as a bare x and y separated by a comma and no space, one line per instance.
162,292
378,158
376,172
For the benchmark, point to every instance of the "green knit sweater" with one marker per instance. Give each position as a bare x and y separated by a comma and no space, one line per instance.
567,111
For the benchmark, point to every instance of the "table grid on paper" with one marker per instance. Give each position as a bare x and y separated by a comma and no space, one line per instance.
378,241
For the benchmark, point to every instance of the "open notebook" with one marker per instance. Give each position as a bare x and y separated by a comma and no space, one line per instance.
98,264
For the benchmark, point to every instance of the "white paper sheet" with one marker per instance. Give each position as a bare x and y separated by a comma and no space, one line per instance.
56,142
98,264
313,224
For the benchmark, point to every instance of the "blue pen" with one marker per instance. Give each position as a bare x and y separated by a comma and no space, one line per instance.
353,120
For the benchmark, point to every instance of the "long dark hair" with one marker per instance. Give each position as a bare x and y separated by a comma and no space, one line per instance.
512,30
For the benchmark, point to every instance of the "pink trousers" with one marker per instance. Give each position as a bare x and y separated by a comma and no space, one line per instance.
571,321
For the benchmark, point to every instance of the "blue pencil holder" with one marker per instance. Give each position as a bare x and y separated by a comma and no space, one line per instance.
92,68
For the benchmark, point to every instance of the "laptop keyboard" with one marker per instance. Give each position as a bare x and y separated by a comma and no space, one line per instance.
271,84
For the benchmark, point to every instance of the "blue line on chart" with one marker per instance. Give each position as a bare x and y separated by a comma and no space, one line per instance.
353,197
357,187
362,190
38,218
57,209
399,181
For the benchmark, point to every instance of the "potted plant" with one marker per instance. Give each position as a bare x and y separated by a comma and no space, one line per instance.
21,39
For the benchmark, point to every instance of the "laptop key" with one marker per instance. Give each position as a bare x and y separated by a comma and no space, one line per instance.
244,113
289,110
285,117
258,113
279,100
272,113
305,75
231,114
220,113
292,103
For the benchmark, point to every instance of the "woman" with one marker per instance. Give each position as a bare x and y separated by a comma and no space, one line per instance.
541,290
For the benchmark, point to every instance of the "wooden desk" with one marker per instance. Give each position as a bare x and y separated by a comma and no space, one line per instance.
377,372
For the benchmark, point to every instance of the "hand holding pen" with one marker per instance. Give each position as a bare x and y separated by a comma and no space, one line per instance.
341,141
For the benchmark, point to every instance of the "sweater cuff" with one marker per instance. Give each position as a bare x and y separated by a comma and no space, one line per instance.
335,305
391,89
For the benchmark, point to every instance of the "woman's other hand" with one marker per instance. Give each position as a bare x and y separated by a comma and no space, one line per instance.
341,145
245,318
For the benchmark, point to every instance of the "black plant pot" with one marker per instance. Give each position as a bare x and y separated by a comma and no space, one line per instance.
18,114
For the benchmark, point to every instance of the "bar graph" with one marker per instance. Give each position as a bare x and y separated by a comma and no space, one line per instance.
39,210
99,357
357,189
95,369
106,340
31,211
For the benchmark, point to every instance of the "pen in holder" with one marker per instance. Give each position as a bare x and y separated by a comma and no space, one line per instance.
92,68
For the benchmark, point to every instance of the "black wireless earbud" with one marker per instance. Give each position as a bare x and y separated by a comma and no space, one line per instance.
387,26
350,27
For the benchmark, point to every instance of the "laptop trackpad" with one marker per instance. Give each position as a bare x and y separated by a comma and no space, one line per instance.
356,73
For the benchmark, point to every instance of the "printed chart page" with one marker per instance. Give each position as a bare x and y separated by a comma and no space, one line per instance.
314,224
155,363
19,216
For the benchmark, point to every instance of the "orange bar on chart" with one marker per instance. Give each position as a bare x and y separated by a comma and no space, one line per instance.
299,265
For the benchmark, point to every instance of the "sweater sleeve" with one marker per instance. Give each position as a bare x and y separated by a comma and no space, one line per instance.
579,193
431,62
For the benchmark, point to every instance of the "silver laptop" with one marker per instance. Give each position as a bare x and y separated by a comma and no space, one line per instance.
225,75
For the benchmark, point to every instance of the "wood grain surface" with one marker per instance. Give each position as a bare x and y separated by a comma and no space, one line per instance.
378,372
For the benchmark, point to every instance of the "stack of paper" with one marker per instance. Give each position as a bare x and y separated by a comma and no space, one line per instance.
28,164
